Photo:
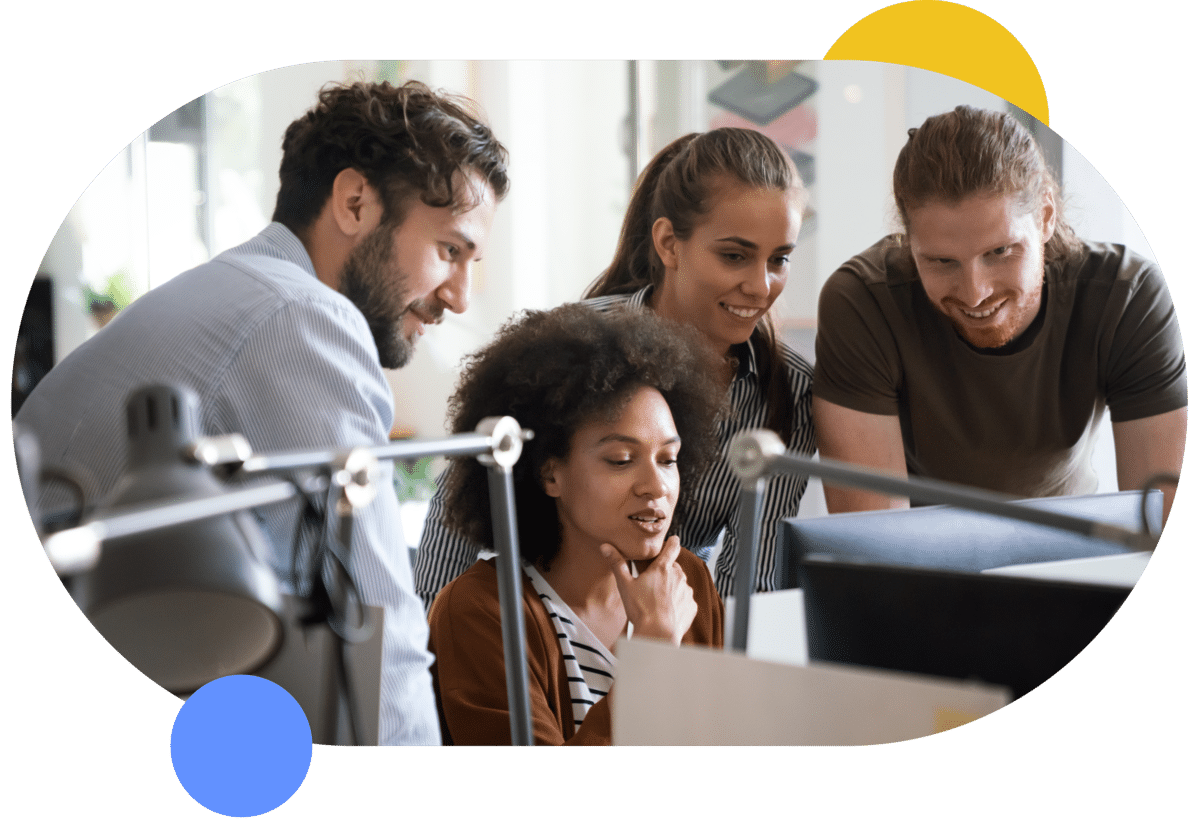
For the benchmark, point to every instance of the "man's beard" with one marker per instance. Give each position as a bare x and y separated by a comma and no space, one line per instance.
379,289
1016,316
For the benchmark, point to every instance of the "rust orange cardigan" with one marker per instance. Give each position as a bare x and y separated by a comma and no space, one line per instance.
468,672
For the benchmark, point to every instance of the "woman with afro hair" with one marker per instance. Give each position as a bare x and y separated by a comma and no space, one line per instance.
706,242
624,422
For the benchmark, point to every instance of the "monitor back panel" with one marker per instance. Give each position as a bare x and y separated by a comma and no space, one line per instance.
963,625
942,537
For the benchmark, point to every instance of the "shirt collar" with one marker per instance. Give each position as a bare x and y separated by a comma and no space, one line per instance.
287,246
640,299
747,360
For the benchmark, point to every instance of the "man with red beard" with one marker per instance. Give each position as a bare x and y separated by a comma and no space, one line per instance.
982,345
386,198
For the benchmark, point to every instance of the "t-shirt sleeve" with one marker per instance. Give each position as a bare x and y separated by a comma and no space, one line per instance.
1146,366
857,362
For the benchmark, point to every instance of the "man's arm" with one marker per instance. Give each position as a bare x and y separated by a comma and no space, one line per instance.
870,440
307,379
1148,446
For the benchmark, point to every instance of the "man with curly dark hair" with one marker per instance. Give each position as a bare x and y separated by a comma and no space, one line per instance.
624,408
387,196
428,176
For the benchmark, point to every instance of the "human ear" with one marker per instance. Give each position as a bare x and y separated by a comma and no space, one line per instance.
665,242
549,478
354,203
1048,218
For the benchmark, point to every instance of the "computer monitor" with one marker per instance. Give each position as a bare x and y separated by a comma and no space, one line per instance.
947,538
1003,630
902,590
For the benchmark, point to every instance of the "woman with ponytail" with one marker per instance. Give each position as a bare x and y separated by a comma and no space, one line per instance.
705,242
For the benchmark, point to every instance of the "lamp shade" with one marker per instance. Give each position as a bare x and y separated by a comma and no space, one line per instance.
184,604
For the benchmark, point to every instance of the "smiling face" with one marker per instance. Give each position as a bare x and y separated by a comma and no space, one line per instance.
724,277
403,277
620,482
982,262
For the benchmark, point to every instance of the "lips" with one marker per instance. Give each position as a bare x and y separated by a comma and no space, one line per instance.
981,315
415,326
649,520
428,310
423,316
742,312
978,314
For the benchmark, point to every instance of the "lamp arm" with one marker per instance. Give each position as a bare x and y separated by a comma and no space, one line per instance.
77,549
231,452
353,475
759,453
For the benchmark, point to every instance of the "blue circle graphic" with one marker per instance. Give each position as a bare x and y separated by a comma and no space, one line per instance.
241,745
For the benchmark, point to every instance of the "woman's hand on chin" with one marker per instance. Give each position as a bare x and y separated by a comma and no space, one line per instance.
658,602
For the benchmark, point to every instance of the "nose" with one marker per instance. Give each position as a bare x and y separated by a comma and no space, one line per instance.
974,287
650,482
455,291
757,281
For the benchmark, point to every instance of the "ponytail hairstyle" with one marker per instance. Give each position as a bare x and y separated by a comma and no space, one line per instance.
677,184
971,151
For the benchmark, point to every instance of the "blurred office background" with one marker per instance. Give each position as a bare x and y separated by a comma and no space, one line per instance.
204,179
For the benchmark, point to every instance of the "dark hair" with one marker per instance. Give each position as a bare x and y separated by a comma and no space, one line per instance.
971,151
554,371
678,184
406,140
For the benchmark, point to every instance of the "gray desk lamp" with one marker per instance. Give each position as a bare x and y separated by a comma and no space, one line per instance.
182,588
757,454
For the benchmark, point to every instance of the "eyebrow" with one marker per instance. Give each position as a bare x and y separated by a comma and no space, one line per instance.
744,243
465,240
934,255
633,440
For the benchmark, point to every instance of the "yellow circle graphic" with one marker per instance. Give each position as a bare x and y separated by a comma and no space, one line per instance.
950,39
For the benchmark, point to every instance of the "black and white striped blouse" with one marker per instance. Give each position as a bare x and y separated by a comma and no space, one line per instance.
713,506
590,667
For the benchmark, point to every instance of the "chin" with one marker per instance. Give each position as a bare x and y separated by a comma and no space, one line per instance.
739,336
984,340
395,350
987,337
641,551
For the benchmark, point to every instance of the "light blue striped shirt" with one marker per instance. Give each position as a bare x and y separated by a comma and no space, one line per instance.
276,355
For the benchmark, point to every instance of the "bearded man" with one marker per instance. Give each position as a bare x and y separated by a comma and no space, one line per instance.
983,344
386,198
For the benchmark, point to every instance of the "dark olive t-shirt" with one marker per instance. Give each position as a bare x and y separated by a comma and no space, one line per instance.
1023,421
